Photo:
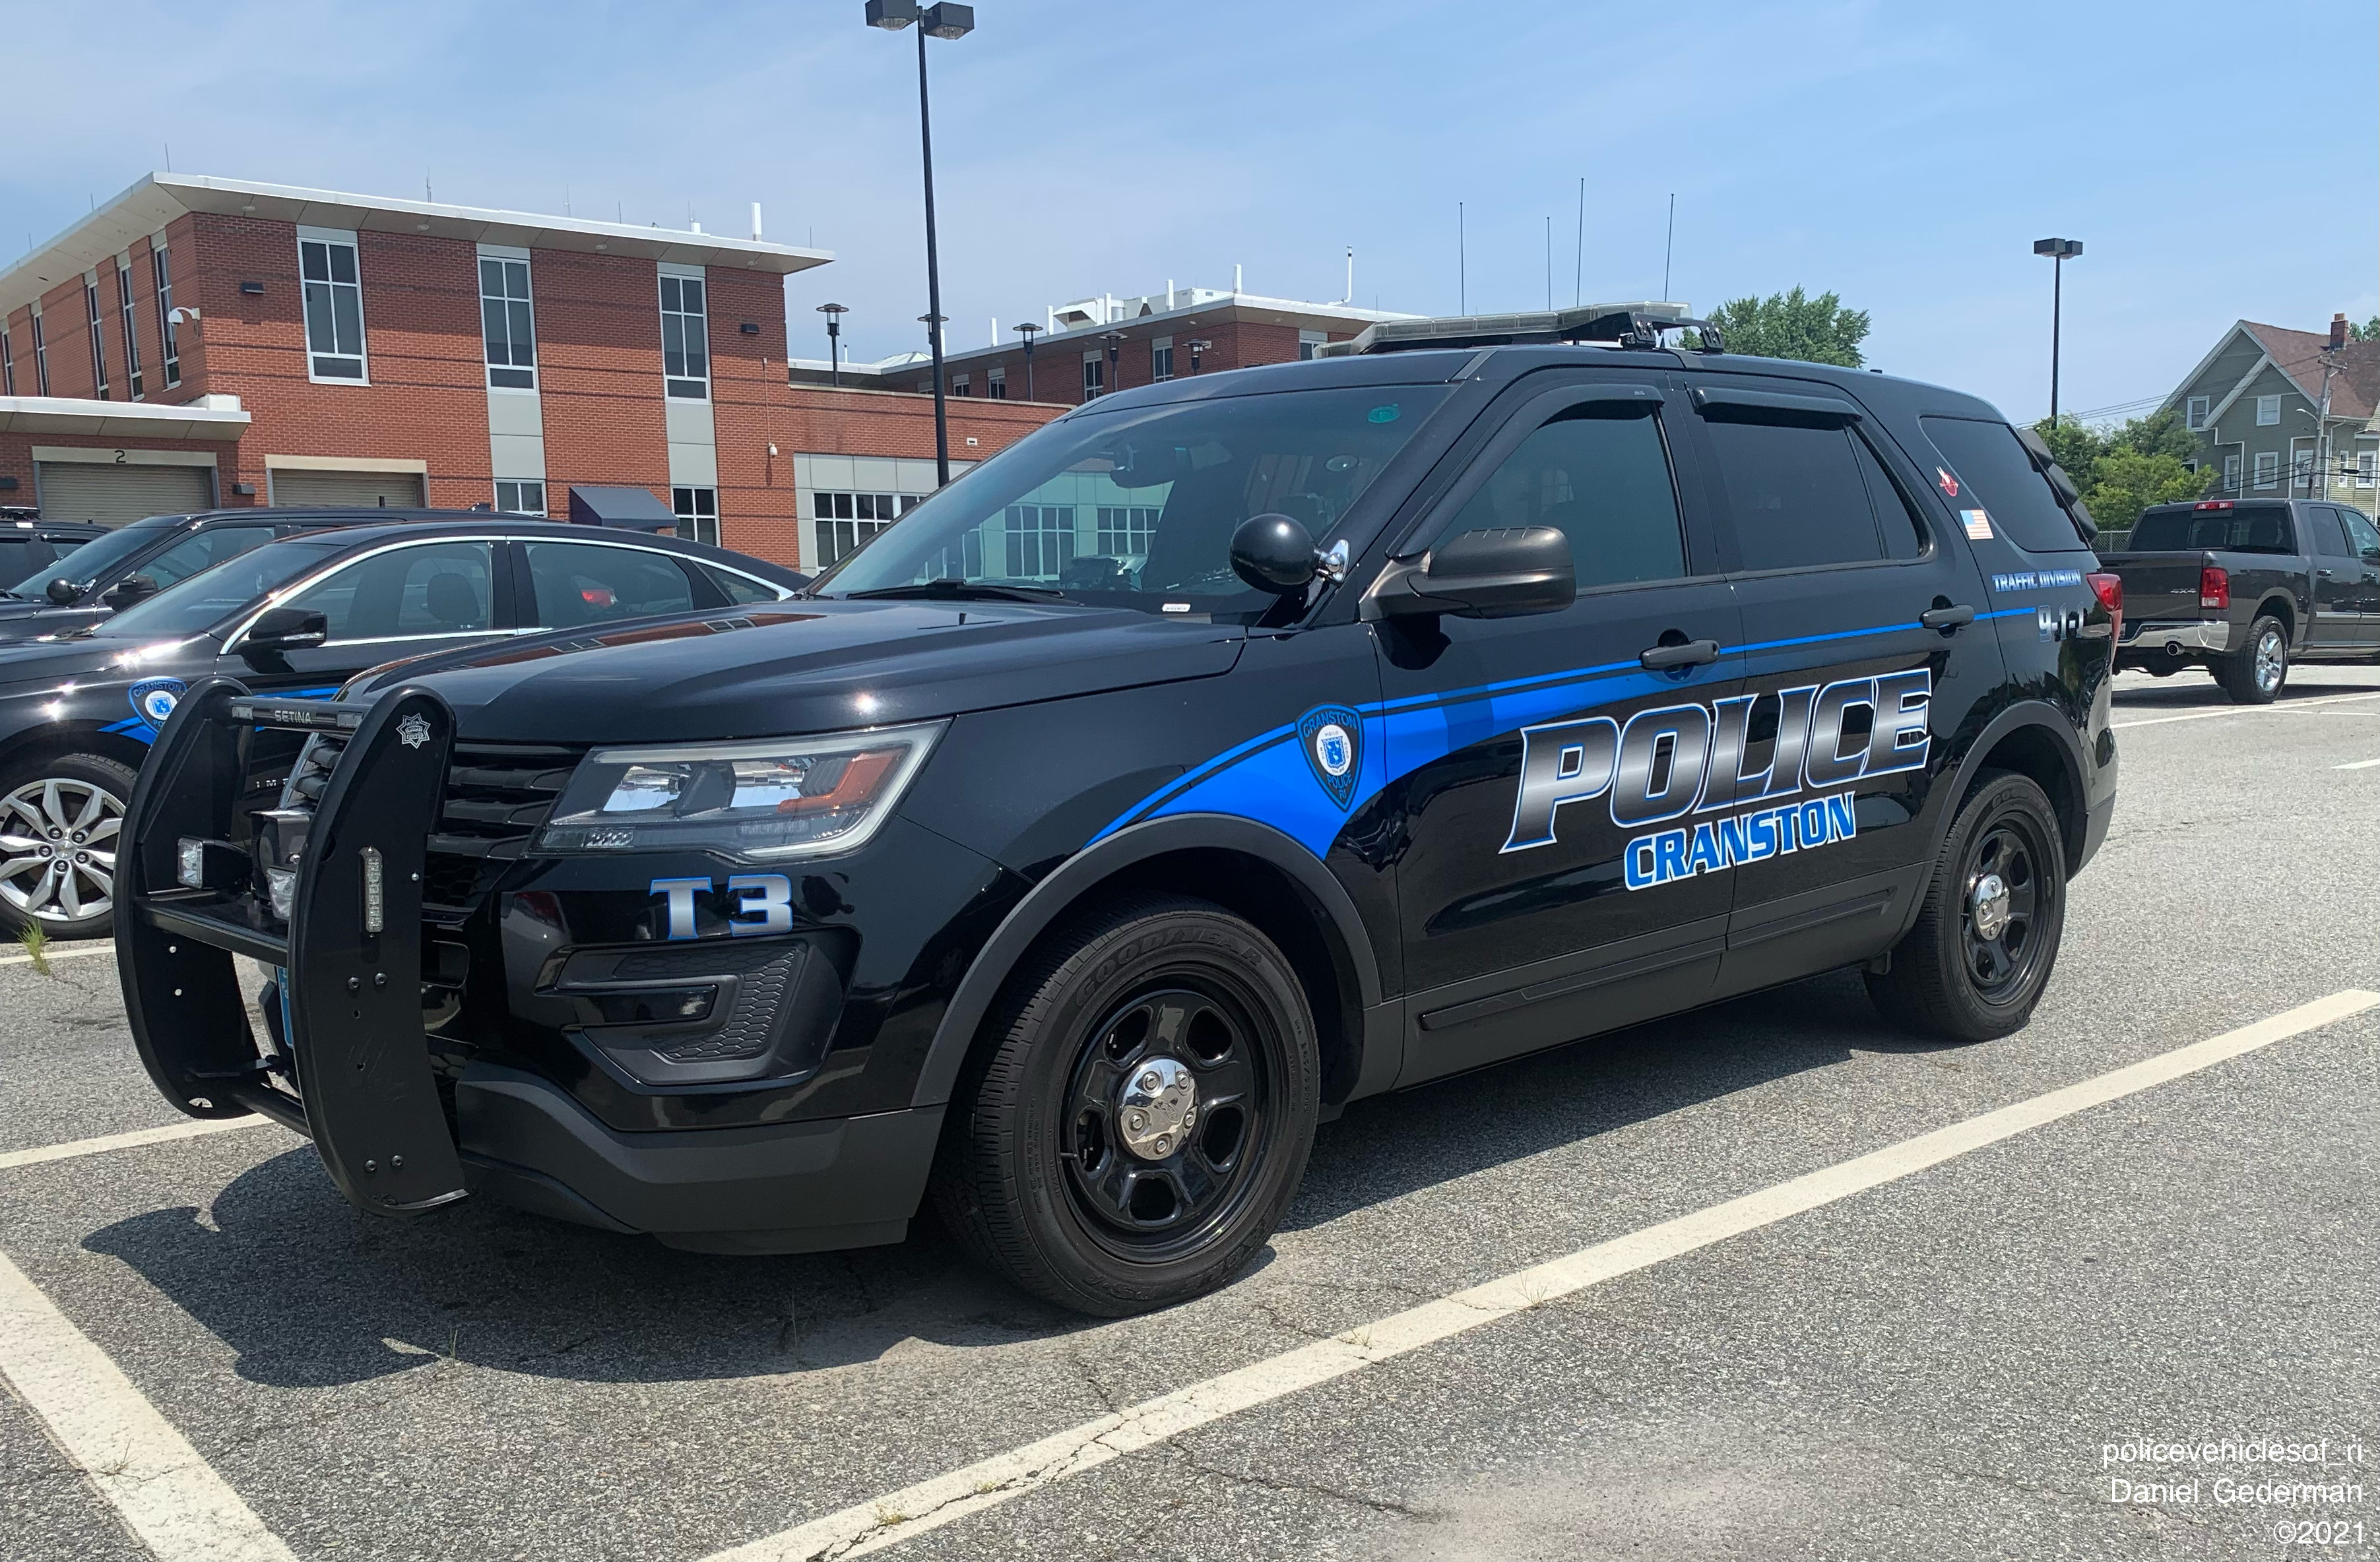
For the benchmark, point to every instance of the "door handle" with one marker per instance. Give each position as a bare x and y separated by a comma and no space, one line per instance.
2324,573
1692,653
1946,619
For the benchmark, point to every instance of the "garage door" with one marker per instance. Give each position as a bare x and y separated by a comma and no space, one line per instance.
87,491
296,485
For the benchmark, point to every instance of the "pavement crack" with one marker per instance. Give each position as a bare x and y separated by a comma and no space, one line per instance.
1288,1485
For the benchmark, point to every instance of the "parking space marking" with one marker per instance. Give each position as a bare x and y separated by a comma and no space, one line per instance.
72,1148
928,1505
2359,765
58,954
164,1493
2244,711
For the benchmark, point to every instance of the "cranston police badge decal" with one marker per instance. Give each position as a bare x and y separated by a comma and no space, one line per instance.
153,698
1333,738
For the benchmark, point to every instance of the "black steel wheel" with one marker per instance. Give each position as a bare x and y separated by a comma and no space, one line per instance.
1133,1129
1986,934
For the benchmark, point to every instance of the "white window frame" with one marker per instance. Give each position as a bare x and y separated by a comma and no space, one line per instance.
700,315
2267,469
96,322
2194,411
995,382
1095,376
41,356
331,239
7,364
2231,472
504,259
520,496
1160,358
161,269
132,382
1309,340
700,506
2268,411
2367,466
960,387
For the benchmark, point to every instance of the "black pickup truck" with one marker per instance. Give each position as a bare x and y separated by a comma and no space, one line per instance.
2244,587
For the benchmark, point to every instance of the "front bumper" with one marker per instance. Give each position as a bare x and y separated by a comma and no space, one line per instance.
2174,640
353,1066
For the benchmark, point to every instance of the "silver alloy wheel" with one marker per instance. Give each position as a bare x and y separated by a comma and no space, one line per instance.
57,850
2272,656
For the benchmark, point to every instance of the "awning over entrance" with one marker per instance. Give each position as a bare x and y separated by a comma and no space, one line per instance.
635,508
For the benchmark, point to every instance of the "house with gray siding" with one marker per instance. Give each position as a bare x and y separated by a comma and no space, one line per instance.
2255,403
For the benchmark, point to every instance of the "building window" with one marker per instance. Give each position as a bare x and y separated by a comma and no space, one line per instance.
98,340
2301,467
686,336
2268,411
959,386
2367,468
1160,358
504,323
1095,376
1309,340
1040,540
2231,473
2193,412
1126,529
995,383
846,520
8,365
131,338
522,498
41,358
167,338
697,513
335,308
2268,469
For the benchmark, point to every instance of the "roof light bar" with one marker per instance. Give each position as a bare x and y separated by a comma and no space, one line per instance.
1638,324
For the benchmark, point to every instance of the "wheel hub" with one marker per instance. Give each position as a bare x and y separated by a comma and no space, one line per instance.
1156,1108
1989,906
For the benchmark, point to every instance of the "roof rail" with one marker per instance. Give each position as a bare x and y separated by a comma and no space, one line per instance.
1636,324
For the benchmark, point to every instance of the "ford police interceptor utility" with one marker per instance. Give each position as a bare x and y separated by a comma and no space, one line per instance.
1225,751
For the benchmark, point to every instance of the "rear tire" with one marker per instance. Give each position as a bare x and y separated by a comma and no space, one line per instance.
2255,675
61,820
2001,871
1038,1174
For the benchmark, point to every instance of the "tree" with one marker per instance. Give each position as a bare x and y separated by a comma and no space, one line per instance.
1791,325
2123,470
2368,332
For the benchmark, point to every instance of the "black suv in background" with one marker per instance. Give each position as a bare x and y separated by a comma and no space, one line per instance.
1227,750
28,543
300,615
117,568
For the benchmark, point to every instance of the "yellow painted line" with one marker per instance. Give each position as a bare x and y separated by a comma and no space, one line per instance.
897,1516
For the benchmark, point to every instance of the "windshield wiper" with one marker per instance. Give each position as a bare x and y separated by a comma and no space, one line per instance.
962,591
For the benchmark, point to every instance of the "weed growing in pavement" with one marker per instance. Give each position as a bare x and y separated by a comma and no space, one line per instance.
37,947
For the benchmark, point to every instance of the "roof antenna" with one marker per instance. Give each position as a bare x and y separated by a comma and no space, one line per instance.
1578,267
425,186
169,157
565,199
1669,247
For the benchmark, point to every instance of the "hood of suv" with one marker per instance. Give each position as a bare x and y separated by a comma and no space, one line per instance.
807,666
22,619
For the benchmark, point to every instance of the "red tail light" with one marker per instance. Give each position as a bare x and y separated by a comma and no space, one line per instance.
2109,589
2214,587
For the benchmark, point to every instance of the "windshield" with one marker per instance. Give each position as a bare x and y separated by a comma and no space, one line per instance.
99,557
204,601
1137,509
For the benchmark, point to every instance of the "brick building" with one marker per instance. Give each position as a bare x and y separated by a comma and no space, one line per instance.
200,342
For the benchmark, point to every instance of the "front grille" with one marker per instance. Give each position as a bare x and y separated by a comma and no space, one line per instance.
496,795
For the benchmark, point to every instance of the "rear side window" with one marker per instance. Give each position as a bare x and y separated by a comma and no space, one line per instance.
1995,475
2361,537
740,589
579,583
1802,495
2329,535
1598,474
2234,528
203,550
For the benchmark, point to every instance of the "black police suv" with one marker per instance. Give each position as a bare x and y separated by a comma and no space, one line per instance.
1223,752
29,543
52,595
300,615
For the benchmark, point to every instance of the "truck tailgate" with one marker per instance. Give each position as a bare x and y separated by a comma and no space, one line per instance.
2160,586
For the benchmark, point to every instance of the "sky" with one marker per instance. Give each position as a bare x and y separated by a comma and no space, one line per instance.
2217,163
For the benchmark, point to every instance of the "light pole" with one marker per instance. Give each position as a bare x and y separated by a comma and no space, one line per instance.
2060,251
945,20
1114,339
1028,331
834,313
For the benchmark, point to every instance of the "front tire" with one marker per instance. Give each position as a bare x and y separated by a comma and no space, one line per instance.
2255,676
1986,936
1137,1129
61,823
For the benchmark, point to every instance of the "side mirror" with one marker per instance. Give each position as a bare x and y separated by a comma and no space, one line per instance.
62,591
1501,574
1275,553
284,629
125,592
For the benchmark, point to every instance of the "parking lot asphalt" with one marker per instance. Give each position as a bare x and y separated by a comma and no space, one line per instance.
1933,1366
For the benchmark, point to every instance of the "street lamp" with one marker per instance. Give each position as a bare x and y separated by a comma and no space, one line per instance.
2060,251
1114,339
834,313
945,20
1198,345
1028,331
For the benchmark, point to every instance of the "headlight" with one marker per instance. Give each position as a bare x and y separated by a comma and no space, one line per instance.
781,797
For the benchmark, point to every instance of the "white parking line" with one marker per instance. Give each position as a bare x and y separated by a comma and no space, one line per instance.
161,1488
133,1140
2244,711
2359,765
928,1505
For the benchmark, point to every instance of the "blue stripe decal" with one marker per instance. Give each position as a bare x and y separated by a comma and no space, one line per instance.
1265,778
134,728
